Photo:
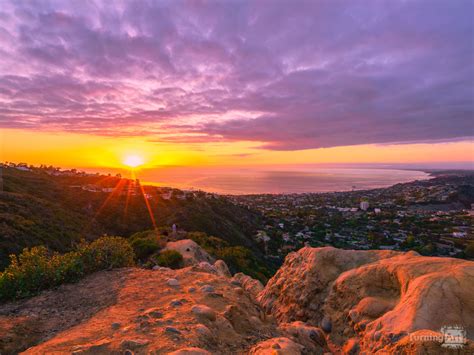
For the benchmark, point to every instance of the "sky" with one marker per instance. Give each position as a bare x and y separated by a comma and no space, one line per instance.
86,83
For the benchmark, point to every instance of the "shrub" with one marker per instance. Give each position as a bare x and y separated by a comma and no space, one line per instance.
170,258
144,247
107,253
146,243
37,269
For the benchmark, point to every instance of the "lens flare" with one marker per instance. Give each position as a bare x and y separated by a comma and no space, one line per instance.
133,161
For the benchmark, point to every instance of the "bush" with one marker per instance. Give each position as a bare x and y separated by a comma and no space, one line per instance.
107,253
241,259
170,258
144,247
37,269
238,258
146,243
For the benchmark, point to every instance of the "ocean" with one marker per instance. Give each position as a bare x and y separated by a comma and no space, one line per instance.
258,181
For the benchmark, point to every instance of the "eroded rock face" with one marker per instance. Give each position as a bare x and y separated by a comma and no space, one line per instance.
371,300
254,287
322,300
277,346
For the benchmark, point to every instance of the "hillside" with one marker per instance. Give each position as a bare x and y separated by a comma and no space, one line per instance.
321,300
40,208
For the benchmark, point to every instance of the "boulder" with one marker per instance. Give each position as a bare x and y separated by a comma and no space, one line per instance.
172,282
222,269
204,312
277,346
312,338
252,286
372,298
192,253
190,351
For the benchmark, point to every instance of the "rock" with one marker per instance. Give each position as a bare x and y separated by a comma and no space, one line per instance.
371,291
154,313
203,331
172,330
172,282
115,326
101,346
204,312
204,266
190,351
207,288
252,286
192,253
222,269
373,307
351,347
311,338
366,302
326,324
237,318
277,346
134,344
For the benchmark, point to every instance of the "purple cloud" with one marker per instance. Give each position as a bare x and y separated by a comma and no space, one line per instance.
291,75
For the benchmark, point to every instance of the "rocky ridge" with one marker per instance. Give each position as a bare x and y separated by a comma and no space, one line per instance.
322,300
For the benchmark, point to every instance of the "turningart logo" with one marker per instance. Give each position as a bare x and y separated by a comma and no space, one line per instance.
454,336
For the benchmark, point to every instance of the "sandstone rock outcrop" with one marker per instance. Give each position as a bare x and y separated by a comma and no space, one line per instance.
371,300
254,287
322,300
277,346
148,314
192,253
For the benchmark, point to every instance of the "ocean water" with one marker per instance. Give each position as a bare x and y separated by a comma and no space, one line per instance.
253,181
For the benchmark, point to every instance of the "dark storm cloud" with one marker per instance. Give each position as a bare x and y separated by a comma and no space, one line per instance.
289,74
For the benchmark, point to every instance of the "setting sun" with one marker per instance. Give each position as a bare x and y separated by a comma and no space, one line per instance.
133,161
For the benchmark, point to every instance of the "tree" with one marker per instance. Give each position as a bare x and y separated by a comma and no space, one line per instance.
469,250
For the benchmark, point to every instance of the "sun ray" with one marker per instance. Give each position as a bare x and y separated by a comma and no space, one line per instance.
148,206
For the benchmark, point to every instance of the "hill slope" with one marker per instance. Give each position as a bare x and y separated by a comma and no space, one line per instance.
37,208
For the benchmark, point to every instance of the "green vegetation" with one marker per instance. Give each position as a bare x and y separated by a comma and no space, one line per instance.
469,251
170,258
37,208
38,268
146,243
237,258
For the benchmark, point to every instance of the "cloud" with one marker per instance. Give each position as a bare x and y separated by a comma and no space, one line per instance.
289,76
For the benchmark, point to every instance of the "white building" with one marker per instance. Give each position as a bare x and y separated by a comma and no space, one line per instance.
364,205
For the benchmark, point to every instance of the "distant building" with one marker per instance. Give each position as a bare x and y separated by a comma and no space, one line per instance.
364,205
166,195
459,234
